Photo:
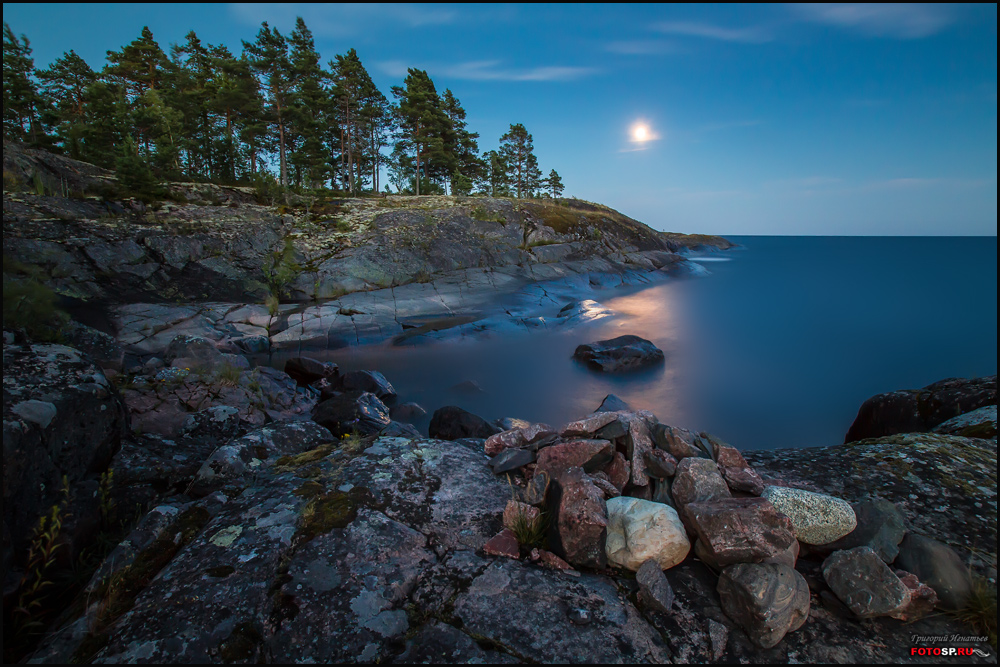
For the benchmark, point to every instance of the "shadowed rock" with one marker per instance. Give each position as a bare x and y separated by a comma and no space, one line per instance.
621,354
578,532
767,600
305,370
590,455
937,565
452,422
370,381
361,413
612,403
654,589
880,526
864,583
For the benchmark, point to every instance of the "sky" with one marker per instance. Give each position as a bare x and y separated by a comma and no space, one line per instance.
765,119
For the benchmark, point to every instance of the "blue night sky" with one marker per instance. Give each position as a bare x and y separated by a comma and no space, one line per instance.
831,119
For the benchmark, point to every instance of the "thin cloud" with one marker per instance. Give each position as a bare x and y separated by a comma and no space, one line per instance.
899,21
747,35
339,20
492,70
643,47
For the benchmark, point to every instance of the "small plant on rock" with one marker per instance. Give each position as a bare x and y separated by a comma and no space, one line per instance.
980,609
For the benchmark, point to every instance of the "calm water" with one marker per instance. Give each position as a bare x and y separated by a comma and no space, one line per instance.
778,347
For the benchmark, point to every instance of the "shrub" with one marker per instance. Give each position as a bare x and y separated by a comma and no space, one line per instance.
31,306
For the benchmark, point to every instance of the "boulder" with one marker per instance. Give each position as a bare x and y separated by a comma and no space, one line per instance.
880,526
511,459
660,464
621,354
919,410
590,455
679,442
612,403
937,565
407,412
818,518
589,425
639,530
452,423
370,381
579,529
358,413
980,423
305,370
697,480
638,443
862,581
654,589
766,600
740,530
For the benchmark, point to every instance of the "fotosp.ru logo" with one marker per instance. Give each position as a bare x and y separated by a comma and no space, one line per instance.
946,651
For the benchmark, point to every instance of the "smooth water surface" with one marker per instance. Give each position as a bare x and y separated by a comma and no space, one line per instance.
778,347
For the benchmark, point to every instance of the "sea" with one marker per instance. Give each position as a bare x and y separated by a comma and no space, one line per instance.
777,345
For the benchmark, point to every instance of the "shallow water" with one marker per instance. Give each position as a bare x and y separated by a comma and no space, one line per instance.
778,347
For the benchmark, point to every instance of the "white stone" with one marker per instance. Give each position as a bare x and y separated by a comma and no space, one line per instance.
641,529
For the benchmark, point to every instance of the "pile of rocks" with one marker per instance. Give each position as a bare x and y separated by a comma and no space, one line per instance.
618,488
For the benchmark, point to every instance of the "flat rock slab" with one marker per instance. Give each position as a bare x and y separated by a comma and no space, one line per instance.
818,518
621,354
549,617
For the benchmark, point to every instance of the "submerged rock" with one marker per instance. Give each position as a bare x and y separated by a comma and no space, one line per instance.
616,355
452,422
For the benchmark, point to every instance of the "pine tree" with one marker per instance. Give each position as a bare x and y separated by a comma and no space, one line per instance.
64,85
21,100
268,56
554,184
463,145
139,66
517,149
423,126
309,107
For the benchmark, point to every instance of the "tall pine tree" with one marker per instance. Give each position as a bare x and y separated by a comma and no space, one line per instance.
517,149
269,58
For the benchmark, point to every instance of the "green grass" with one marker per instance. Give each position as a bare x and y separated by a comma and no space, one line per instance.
980,611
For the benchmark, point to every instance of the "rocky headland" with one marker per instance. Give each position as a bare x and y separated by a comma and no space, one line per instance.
166,499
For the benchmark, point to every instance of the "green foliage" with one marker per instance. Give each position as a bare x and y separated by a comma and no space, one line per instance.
517,150
228,374
104,493
530,531
281,269
134,173
266,189
30,306
482,214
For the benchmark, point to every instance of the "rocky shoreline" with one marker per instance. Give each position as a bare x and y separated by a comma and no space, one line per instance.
291,531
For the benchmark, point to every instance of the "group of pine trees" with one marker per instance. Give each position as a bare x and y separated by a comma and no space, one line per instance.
202,113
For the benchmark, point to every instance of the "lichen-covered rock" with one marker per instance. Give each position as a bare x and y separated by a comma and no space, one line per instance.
61,418
740,530
865,583
616,355
578,529
766,600
818,518
917,410
979,423
640,530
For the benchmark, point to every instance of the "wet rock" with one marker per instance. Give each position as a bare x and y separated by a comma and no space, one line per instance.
360,413
396,429
612,403
937,565
880,526
621,354
511,459
503,544
306,370
740,530
590,455
818,518
639,530
918,410
579,528
697,480
467,388
407,412
534,621
980,423
766,600
531,435
865,583
654,589
452,423
370,381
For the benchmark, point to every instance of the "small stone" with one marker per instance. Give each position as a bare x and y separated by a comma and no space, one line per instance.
864,583
654,589
579,616
602,482
511,459
618,471
818,518
588,425
679,442
698,480
767,600
549,560
503,544
922,598
743,480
